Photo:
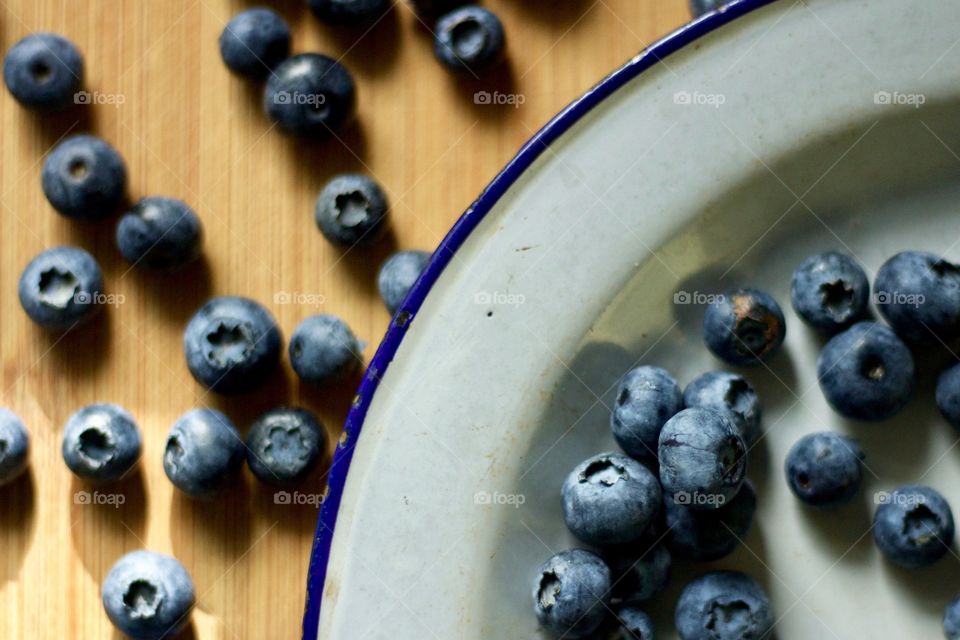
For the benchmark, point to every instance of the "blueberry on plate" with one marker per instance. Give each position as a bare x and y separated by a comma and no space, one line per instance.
232,345
571,593
866,372
43,71
722,390
724,605
700,7
918,294
646,398
704,535
351,209
469,39
101,442
254,42
703,458
823,469
948,394
913,526
610,499
638,572
830,291
310,95
634,624
203,450
743,327
84,178
324,351
148,595
14,446
61,287
349,12
397,276
951,620
285,445
160,234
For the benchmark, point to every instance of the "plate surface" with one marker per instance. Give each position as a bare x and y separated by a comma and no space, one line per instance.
798,127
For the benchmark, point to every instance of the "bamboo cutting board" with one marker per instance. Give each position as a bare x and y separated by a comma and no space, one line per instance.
188,129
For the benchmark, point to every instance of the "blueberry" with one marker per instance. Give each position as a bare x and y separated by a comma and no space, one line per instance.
232,345
866,372
285,445
254,42
84,178
351,209
823,469
703,459
913,526
638,572
700,7
397,276
948,394
14,446
101,442
148,595
951,620
722,390
43,71
610,499
743,327
433,8
704,535
310,95
571,592
203,449
349,12
830,291
324,351
61,288
724,605
469,39
646,398
162,234
635,624
918,294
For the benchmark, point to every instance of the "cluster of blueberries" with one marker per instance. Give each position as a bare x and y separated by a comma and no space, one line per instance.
313,95
232,344
680,490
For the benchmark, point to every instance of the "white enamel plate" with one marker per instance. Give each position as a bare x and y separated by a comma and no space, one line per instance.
720,157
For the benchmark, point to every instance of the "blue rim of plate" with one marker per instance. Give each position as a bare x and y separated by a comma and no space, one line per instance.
528,154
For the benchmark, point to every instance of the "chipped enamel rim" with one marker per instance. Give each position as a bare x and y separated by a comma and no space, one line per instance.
540,142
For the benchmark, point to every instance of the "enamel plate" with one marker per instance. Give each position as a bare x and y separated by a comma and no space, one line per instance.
720,157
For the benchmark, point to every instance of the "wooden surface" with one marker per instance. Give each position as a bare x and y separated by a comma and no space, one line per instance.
188,129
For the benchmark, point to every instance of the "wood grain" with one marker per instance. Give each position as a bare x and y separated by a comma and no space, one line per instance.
190,130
